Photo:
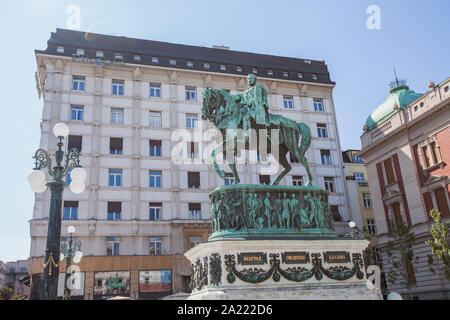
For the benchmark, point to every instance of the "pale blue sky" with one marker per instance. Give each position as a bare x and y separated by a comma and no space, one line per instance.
414,37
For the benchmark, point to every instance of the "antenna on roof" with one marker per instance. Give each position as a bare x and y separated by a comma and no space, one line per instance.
397,83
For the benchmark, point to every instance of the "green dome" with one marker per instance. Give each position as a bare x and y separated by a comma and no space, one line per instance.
400,96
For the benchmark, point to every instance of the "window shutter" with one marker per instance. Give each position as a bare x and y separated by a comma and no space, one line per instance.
116,143
389,171
195,206
75,142
115,207
193,178
442,201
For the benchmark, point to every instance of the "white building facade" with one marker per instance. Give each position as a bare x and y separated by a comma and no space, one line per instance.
125,101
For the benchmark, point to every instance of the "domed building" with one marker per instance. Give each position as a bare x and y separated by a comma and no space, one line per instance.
406,150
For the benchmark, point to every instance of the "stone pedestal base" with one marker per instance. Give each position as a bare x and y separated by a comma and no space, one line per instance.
279,269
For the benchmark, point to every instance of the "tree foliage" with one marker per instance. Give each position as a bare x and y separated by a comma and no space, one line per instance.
400,254
6,293
439,245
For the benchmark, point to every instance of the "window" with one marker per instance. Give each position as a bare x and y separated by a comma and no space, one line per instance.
193,241
115,145
358,176
190,63
264,179
114,210
172,62
155,60
445,89
329,184
270,72
192,149
118,87
378,256
229,178
70,210
60,49
155,148
430,154
239,69
441,200
155,178
288,102
191,93
223,67
76,112
255,70
99,54
300,75
75,142
390,177
297,180
193,180
115,177
367,200
112,246
285,74
325,156
78,83
155,246
318,105
371,227
206,65
155,90
137,57
307,61
357,159
195,211
335,212
80,52
191,120
117,115
322,130
155,119
397,215
315,77
118,56
155,211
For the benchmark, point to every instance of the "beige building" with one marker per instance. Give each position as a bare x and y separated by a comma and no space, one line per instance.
16,272
406,150
129,103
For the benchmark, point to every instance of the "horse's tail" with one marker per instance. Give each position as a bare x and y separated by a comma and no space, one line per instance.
305,134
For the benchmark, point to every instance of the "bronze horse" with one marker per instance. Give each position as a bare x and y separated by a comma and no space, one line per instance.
221,109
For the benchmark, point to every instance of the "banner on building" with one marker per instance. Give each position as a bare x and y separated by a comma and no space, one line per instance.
111,284
155,281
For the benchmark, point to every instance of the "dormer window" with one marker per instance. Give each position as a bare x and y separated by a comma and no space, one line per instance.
99,54
223,67
315,77
255,70
206,65
173,62
155,60
190,64
239,69
307,61
80,52
270,72
118,56
60,49
137,57
285,74
300,75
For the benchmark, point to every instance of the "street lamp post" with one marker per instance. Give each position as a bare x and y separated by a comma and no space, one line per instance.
71,249
49,290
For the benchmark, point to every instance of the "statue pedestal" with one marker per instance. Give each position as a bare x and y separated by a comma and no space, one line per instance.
279,269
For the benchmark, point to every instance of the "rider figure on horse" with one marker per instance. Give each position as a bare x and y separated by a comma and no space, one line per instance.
255,102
